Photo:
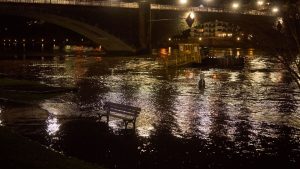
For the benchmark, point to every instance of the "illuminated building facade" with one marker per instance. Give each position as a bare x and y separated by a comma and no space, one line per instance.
215,29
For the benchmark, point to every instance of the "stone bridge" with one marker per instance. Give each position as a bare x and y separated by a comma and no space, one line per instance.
130,27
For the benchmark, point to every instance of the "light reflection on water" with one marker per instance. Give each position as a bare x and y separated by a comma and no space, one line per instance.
0,115
52,125
237,106
166,93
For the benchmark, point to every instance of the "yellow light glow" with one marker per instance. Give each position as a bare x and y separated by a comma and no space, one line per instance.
275,9
183,1
192,15
260,3
235,5
0,119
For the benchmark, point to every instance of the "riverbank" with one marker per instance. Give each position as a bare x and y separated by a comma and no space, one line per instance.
20,152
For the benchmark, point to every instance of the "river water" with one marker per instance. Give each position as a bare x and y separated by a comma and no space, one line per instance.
244,118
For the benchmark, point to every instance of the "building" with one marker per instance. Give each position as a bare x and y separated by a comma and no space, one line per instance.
215,29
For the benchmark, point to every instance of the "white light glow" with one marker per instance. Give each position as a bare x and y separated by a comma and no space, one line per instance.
260,3
52,125
235,5
192,15
183,1
275,9
0,117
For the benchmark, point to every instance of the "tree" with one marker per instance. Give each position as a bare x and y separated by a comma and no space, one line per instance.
289,55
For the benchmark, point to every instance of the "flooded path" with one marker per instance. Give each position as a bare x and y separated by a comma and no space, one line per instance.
245,118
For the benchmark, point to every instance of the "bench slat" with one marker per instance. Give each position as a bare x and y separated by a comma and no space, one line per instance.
121,117
123,112
123,107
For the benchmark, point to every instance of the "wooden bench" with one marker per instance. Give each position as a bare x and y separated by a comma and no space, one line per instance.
125,112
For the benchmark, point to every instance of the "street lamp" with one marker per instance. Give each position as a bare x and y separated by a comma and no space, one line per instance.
190,19
260,3
192,15
183,2
275,9
235,5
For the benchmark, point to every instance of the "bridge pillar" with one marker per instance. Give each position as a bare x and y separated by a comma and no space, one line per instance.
144,26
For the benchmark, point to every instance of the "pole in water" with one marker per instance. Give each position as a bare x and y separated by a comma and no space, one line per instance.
201,83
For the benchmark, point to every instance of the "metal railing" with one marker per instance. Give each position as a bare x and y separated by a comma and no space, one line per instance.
78,2
120,4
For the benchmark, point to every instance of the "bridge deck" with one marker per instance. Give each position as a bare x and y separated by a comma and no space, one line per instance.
136,5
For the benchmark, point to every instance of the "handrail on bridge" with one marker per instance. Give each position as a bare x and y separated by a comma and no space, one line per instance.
120,4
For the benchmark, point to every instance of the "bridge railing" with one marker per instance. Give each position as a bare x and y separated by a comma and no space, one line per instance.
79,2
202,9
135,5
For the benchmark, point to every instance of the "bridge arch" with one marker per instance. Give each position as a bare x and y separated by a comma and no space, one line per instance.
108,41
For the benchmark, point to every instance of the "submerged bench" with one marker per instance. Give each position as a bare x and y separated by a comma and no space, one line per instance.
127,113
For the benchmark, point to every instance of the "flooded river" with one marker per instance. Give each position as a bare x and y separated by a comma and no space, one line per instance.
244,118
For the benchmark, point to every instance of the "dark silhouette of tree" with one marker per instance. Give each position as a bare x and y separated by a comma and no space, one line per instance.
289,52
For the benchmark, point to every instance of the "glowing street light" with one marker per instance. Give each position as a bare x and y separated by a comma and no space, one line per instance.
235,5
275,9
260,3
192,15
183,2
190,19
